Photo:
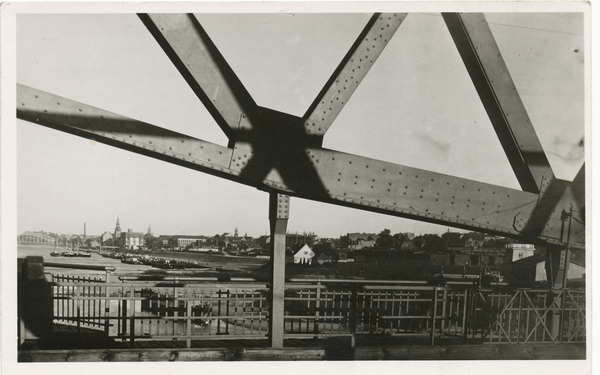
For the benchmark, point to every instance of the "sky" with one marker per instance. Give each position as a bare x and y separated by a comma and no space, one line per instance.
417,107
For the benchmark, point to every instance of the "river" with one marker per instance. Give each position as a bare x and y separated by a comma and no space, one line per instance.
212,262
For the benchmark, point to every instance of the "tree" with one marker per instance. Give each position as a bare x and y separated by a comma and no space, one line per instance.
385,240
430,243
344,242
323,247
399,239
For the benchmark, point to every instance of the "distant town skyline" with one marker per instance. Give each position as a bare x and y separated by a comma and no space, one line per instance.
241,232
110,61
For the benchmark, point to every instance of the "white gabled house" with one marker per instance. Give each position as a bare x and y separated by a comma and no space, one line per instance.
304,255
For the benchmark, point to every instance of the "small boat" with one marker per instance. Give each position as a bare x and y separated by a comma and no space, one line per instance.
83,254
69,254
55,254
130,260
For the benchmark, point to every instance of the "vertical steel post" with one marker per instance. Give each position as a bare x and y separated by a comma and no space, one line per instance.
132,317
189,322
219,313
433,314
278,218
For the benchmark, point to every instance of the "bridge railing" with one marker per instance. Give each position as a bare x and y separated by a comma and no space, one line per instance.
362,309
529,316
190,309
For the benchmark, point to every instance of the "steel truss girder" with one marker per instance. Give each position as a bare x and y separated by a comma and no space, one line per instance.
204,68
498,93
354,67
306,170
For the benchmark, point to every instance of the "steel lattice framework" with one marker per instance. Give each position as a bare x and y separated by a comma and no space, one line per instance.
546,210
261,139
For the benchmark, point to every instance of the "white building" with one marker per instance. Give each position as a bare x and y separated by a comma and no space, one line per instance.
304,255
518,251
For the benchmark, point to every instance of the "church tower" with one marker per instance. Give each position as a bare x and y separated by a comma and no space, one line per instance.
118,230
236,232
149,230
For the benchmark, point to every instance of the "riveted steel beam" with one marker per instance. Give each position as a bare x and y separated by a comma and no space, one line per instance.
306,170
428,196
201,64
351,71
490,75
279,153
60,113
279,207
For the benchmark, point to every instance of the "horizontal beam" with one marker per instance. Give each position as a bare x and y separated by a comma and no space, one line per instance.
199,61
351,71
388,352
329,176
490,75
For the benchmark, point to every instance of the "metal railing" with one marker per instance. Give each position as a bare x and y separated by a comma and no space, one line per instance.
163,310
529,316
355,309
193,309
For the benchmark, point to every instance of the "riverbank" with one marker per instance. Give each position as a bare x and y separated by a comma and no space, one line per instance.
216,265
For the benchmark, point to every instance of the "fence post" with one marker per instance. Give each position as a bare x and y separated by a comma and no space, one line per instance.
562,314
317,307
433,314
107,313
465,312
219,313
189,318
76,295
132,318
123,319
519,322
353,313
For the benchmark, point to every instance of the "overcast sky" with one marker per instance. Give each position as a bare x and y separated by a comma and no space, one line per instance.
416,107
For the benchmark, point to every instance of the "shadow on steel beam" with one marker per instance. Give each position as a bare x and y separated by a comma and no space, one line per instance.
280,141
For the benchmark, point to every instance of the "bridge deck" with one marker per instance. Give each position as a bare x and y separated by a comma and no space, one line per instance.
90,345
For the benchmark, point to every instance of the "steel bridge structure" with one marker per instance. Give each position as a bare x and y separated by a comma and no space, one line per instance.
34,237
545,210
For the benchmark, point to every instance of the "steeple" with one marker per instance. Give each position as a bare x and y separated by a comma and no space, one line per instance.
149,229
118,229
236,232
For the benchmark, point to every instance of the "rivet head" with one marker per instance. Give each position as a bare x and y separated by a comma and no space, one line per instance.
130,136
